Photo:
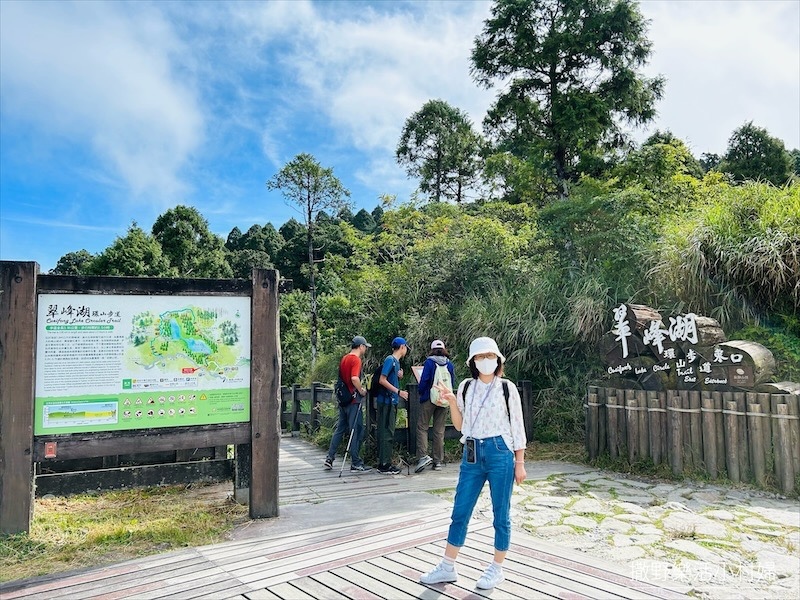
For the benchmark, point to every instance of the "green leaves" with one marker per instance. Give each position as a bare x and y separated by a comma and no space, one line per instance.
570,69
755,155
439,147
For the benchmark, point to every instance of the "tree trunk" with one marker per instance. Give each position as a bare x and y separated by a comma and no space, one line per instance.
313,290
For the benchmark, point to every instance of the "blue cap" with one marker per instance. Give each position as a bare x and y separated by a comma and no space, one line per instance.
398,341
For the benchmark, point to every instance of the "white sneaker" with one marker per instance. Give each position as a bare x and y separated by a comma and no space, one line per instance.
423,462
491,577
442,573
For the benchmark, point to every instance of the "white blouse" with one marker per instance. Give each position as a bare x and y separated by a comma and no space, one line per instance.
491,419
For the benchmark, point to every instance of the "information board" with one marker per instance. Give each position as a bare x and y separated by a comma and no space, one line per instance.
119,362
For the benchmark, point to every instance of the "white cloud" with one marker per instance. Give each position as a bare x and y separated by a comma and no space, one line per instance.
367,71
94,72
727,63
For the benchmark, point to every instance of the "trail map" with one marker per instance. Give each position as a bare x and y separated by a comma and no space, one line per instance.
120,362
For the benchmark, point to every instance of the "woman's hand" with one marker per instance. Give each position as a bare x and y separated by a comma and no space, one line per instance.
519,472
445,392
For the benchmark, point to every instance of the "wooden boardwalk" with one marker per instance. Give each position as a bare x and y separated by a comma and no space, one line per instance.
367,558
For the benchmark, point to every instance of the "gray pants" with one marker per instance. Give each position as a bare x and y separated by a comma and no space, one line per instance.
427,410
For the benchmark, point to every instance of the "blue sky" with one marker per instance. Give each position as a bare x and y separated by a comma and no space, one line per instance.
113,112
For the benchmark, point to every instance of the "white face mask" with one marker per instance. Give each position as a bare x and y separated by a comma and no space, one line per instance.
486,366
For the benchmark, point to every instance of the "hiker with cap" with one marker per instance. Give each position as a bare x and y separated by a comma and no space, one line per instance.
387,400
350,417
488,412
437,367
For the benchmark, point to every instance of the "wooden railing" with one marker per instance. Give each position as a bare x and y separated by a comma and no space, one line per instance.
748,437
303,407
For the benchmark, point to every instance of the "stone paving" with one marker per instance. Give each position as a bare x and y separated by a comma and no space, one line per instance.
725,542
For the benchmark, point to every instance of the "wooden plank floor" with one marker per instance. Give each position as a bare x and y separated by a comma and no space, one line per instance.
372,557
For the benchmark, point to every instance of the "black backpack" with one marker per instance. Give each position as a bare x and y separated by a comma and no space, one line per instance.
375,387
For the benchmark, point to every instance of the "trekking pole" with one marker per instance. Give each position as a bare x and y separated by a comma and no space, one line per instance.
350,441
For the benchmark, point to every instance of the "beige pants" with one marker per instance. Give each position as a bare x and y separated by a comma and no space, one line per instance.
439,413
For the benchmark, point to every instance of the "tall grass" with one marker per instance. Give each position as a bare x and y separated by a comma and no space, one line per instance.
737,255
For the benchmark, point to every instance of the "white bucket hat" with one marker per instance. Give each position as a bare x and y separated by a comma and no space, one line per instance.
483,345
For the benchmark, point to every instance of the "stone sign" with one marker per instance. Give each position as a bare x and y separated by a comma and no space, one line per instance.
643,350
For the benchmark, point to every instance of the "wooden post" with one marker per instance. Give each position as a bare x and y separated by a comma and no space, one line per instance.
593,431
732,440
528,409
612,410
675,434
744,455
750,398
622,426
316,414
793,402
414,410
696,428
265,385
631,404
776,454
17,388
656,417
662,406
686,429
766,428
630,422
602,421
243,463
587,426
294,425
719,424
786,479
709,437
644,434
756,426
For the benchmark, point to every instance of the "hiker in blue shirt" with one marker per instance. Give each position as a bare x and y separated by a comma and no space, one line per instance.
387,405
432,406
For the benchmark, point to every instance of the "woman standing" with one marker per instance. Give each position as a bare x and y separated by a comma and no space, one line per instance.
493,433
437,359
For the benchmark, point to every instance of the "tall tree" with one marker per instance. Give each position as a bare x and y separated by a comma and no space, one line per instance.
137,254
570,76
439,147
74,263
191,248
312,189
755,155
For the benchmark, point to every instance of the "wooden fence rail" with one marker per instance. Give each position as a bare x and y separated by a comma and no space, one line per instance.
303,407
744,436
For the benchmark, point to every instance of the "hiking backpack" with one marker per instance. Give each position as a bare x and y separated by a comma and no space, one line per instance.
440,375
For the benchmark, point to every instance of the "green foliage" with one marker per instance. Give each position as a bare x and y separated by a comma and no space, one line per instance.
782,337
135,255
736,256
439,147
570,74
754,155
189,246
73,263
295,337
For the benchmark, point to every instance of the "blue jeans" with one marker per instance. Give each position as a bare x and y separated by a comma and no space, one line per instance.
349,417
493,462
